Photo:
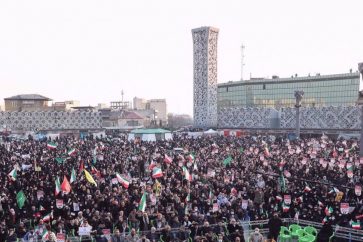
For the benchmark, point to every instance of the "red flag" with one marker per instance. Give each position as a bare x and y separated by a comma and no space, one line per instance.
81,166
95,171
66,187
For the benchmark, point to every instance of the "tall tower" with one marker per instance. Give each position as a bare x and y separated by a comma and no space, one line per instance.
205,76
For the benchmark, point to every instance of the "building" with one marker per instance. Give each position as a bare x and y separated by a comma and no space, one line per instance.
205,76
27,102
154,110
320,90
120,105
139,103
159,105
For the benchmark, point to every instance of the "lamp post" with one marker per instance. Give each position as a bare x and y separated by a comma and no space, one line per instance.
360,103
299,94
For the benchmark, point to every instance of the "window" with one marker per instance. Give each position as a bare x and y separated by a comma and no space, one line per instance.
264,86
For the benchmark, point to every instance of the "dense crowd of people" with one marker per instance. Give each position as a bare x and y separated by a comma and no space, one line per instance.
175,190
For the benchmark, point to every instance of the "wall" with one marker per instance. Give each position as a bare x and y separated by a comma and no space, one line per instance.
50,120
311,118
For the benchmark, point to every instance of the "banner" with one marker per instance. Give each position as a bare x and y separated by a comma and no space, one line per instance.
358,190
344,208
84,230
244,204
59,203
215,207
75,207
61,237
114,181
287,199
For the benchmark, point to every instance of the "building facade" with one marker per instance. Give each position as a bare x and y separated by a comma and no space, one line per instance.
205,41
139,103
320,91
159,105
27,102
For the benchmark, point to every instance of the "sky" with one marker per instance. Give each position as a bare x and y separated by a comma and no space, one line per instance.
90,50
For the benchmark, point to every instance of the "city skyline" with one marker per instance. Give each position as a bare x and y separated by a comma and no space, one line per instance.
91,50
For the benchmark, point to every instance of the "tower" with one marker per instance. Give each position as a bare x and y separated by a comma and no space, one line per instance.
205,76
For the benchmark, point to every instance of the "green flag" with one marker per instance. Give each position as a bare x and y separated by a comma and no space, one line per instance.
59,160
227,161
142,204
20,199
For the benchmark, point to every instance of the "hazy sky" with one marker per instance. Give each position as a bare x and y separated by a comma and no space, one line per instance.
89,50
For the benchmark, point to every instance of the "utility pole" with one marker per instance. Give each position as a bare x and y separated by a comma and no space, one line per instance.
242,60
360,103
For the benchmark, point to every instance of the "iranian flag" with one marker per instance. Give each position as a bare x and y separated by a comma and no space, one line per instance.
52,145
187,175
320,204
41,208
281,165
187,199
73,176
152,165
142,204
325,220
299,199
191,157
328,211
307,189
168,159
47,217
157,172
71,152
57,186
45,235
279,198
350,172
13,174
124,182
285,208
356,225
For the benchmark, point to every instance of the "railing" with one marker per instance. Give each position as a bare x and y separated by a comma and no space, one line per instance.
248,226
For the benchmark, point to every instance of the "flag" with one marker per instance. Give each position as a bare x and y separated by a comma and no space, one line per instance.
152,165
285,208
52,145
57,186
66,187
168,159
95,171
47,217
325,220
59,160
41,208
307,189
299,199
191,157
328,211
320,204
279,198
89,178
20,199
356,225
187,175
241,150
227,161
81,166
267,152
281,165
13,174
71,152
187,199
73,176
124,182
334,190
45,235
350,172
157,172
142,204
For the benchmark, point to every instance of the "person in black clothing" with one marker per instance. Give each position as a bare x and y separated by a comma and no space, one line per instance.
274,225
325,232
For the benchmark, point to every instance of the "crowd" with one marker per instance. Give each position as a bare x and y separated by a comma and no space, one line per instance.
175,190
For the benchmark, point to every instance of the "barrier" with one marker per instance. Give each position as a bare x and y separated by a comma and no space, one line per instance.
248,226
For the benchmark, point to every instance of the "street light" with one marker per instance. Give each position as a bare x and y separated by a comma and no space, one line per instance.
299,94
360,103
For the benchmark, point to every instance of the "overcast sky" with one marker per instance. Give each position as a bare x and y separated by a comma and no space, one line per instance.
90,50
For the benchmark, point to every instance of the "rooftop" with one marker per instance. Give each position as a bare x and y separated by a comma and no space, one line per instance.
276,79
131,115
28,97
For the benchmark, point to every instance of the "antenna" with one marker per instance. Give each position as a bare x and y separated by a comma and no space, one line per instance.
122,95
242,58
